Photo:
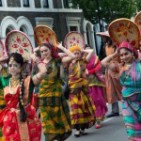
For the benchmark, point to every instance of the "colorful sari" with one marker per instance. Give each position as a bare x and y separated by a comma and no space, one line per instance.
112,83
82,109
2,106
131,105
96,87
53,106
2,101
13,129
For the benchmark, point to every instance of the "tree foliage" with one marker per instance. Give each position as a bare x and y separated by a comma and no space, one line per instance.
108,10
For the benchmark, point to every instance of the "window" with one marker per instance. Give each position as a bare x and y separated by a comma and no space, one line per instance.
26,3
67,3
10,28
73,28
44,21
0,2
73,23
23,29
45,4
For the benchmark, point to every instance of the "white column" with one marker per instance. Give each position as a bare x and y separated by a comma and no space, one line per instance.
50,4
41,1
4,3
85,37
62,1
93,41
32,3
21,1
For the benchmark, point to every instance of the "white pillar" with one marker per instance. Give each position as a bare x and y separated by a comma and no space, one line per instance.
4,3
62,1
41,1
85,37
21,2
50,4
32,3
93,41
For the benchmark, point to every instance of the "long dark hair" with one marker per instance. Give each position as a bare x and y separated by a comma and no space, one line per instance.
19,59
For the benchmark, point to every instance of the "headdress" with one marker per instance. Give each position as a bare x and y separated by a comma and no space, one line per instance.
105,34
138,20
3,52
44,34
74,41
125,34
17,41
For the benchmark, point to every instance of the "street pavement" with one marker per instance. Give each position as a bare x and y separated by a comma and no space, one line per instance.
112,130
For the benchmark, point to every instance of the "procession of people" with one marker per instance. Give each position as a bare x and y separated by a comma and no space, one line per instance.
57,88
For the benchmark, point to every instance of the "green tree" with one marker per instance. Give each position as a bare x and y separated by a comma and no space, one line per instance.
107,10
138,3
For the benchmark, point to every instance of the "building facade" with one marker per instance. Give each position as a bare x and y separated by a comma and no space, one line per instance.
24,15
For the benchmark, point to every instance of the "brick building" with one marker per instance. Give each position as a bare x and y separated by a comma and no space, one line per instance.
24,15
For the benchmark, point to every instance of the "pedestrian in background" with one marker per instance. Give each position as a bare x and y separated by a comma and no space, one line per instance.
113,87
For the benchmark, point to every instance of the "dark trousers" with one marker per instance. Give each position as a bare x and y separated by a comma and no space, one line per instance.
115,107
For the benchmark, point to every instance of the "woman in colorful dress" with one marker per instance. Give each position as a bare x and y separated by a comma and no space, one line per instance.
130,80
112,84
3,72
82,110
96,88
130,74
53,107
18,119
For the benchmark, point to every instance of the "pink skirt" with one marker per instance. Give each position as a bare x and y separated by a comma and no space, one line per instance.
97,95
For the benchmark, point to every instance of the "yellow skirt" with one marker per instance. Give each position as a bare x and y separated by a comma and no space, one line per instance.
82,110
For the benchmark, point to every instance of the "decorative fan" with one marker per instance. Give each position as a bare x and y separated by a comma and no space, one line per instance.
74,39
138,20
2,50
17,41
44,34
124,30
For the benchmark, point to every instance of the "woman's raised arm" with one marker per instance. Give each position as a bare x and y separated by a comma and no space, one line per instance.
70,56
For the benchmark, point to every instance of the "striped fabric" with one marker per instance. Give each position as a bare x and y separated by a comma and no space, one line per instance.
131,110
82,109
56,121
96,88
53,107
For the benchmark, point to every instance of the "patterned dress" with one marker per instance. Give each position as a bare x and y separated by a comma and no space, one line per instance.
2,101
12,128
53,106
2,105
96,88
113,86
131,105
82,109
